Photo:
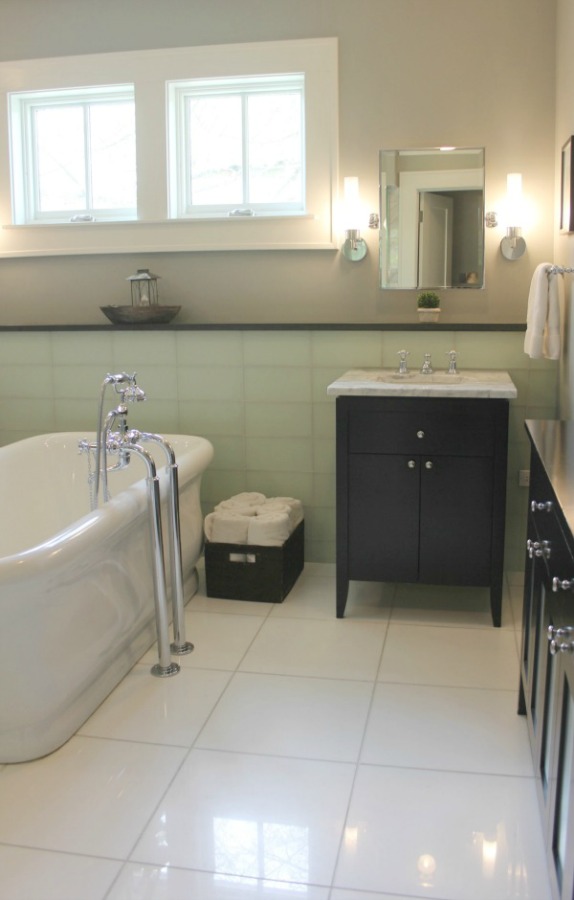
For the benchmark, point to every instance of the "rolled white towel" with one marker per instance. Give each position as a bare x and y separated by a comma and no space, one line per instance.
270,529
227,527
294,507
246,502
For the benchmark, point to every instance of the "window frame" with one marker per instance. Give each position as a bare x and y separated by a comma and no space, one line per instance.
180,174
154,231
25,177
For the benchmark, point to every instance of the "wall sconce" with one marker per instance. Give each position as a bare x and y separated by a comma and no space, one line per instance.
354,247
513,245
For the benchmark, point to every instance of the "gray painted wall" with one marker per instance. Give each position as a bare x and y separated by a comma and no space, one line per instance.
412,73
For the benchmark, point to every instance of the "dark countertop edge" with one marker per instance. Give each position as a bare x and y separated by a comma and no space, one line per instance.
287,326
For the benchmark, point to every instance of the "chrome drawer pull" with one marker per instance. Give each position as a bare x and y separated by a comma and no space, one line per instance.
420,434
411,464
545,506
562,585
428,464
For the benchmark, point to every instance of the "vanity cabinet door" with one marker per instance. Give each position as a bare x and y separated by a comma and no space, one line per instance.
384,500
560,813
455,520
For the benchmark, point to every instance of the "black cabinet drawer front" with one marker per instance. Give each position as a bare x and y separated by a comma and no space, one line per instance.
547,528
463,434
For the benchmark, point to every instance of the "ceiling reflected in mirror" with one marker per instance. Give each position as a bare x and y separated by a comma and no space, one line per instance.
432,218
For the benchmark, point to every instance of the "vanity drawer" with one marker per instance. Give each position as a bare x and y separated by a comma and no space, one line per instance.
463,429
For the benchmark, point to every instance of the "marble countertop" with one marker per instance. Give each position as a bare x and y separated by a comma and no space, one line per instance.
490,383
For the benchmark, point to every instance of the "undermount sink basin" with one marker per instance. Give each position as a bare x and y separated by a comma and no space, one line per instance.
390,382
418,378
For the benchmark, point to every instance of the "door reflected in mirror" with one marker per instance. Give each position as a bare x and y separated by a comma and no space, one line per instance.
432,218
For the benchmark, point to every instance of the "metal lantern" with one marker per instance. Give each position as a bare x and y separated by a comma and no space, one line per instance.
144,288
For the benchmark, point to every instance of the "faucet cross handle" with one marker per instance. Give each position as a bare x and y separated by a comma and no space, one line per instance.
452,370
402,354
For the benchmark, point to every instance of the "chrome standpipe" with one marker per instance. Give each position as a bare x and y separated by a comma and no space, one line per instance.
180,645
164,667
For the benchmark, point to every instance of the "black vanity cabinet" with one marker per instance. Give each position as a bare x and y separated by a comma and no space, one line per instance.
421,488
546,694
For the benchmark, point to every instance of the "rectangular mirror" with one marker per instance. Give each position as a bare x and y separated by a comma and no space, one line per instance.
432,218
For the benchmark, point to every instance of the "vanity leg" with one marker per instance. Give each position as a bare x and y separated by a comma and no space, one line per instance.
342,591
521,699
496,603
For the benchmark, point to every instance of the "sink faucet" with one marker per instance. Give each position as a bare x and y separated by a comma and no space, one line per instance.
427,368
402,354
452,370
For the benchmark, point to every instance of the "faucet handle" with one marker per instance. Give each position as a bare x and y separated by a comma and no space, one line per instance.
402,354
451,362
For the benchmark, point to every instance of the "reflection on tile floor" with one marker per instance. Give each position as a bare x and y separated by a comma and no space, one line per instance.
378,757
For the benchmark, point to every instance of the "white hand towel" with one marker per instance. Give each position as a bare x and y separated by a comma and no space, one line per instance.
227,527
543,315
269,529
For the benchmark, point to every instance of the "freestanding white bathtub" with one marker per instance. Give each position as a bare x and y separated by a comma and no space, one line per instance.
76,587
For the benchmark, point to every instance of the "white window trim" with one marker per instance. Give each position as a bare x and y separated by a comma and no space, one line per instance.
149,71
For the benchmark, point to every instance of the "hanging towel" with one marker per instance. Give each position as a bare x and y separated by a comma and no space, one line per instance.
543,315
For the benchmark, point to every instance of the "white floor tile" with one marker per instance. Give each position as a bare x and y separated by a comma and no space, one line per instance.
443,835
140,882
290,716
44,875
466,657
219,640
276,702
455,729
91,796
158,710
339,648
337,894
262,817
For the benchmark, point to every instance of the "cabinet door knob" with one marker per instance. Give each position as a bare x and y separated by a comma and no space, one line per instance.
428,464
561,647
411,464
562,584
420,434
544,506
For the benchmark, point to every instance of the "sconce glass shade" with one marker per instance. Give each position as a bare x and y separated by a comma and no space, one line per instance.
513,246
354,247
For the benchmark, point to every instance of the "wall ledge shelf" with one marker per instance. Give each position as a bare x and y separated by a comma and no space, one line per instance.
273,326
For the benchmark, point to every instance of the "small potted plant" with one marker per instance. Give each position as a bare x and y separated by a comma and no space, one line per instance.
428,305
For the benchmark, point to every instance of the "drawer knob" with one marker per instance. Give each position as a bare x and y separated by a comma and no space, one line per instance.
554,632
559,584
428,464
420,434
561,647
539,548
411,464
544,506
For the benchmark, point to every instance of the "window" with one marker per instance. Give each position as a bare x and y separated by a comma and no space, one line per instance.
238,146
73,155
230,147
